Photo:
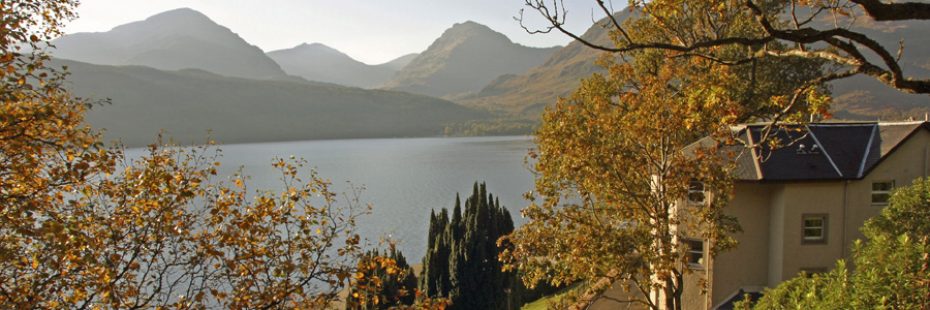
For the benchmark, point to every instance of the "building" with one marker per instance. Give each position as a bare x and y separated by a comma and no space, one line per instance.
801,206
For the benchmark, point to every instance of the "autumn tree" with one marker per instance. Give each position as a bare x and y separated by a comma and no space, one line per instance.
83,226
617,158
389,272
821,30
891,265
611,173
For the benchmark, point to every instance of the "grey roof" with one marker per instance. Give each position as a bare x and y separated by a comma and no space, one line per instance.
739,296
816,151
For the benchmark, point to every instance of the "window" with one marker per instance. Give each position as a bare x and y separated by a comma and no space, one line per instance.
696,192
881,191
695,252
814,228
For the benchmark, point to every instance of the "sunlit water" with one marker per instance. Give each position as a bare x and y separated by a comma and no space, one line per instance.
403,178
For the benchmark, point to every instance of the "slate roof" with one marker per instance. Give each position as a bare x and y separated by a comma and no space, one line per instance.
730,304
817,151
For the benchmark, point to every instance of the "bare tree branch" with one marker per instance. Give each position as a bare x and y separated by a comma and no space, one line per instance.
846,46
882,11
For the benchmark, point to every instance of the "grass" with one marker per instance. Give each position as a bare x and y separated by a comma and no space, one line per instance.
543,303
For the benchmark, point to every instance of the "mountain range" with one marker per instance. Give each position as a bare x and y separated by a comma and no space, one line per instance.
463,60
861,97
191,104
182,72
855,98
173,40
318,62
527,93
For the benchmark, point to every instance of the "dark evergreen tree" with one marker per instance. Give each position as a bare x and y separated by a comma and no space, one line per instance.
397,288
461,260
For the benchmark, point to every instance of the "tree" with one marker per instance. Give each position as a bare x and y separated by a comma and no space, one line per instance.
616,159
891,265
610,175
461,260
811,29
82,226
390,276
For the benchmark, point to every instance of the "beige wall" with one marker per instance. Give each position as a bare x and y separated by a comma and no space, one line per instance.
776,234
771,250
746,265
809,198
693,296
906,164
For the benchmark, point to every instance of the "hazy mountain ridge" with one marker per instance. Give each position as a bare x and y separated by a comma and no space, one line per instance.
463,60
400,62
860,97
318,62
526,94
190,103
172,40
477,67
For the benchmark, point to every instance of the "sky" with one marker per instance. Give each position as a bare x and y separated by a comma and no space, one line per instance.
371,31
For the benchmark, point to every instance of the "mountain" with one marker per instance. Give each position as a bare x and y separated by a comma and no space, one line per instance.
189,103
859,97
172,40
862,97
465,58
318,62
400,62
527,93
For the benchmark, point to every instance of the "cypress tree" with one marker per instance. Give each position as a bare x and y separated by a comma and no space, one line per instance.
468,244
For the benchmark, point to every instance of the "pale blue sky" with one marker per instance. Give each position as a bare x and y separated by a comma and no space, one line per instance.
372,31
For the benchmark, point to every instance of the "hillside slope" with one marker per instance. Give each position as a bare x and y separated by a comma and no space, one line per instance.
464,59
318,62
189,103
172,40
860,97
527,93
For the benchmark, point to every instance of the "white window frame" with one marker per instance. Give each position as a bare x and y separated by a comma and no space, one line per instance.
887,193
693,191
824,226
692,251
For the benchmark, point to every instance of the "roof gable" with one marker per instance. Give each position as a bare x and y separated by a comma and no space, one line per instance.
821,151
797,155
845,145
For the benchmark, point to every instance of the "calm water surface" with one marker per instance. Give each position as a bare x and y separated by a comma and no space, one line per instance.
403,178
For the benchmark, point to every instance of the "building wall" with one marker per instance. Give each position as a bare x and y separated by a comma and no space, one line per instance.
770,247
694,296
776,235
809,198
747,264
906,164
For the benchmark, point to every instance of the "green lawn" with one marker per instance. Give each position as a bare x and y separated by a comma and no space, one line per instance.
539,304
542,303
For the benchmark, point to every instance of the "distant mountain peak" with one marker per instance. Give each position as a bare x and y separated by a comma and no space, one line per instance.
177,39
320,62
184,11
185,15
313,49
463,59
471,28
469,23
316,46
